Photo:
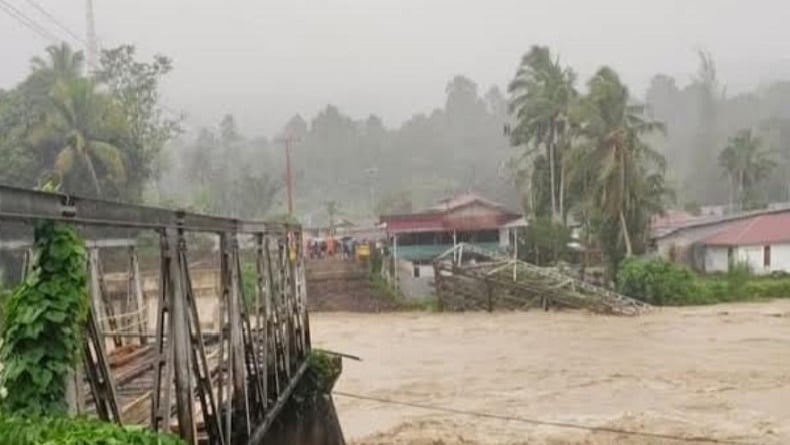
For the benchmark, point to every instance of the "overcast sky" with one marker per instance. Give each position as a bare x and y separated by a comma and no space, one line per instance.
265,60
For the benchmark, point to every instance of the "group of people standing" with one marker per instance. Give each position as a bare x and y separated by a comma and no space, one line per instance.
330,247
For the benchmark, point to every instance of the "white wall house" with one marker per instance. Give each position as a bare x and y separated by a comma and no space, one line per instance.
759,238
761,241
761,259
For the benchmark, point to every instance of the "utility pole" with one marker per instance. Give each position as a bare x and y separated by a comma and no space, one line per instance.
288,141
90,34
372,188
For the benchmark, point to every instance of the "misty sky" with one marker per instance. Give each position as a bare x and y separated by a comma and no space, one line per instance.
265,60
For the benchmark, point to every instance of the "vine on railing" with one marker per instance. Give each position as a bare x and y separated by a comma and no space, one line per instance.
43,323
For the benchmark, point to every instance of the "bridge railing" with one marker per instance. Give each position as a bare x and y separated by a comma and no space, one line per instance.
222,386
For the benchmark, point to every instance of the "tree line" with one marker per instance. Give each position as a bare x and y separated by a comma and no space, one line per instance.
723,148
349,168
96,131
589,153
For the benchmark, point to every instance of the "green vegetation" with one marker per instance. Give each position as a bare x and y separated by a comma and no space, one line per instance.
746,165
42,339
64,431
663,283
43,322
658,282
249,283
97,134
544,242
322,372
702,116
227,173
584,155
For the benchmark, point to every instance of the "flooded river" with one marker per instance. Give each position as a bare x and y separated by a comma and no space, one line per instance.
719,371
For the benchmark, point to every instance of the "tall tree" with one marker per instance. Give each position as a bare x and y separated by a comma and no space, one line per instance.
82,119
615,129
61,63
746,165
543,94
709,96
134,87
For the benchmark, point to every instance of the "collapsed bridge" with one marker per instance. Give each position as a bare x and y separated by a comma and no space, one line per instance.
469,277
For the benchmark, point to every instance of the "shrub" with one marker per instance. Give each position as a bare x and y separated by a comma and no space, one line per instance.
766,288
713,291
657,282
738,274
65,431
661,283
42,324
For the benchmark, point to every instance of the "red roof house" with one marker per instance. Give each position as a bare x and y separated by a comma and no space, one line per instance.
418,238
765,229
466,217
760,241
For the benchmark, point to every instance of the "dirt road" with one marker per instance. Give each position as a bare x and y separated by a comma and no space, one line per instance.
720,371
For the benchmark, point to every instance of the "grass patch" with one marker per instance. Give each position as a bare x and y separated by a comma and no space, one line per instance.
752,288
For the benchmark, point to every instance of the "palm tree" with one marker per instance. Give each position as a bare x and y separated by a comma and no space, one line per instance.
626,165
82,121
746,165
542,96
63,63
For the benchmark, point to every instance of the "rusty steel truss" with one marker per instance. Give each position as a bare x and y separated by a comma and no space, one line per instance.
221,387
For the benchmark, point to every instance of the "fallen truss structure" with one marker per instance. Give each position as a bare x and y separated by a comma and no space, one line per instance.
220,387
468,277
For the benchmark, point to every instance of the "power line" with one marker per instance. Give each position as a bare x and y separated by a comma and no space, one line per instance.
57,22
46,34
568,425
27,22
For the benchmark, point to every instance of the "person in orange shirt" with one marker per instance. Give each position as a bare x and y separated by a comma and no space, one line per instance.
330,246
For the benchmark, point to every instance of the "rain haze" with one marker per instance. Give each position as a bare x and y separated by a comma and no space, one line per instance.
266,60
519,222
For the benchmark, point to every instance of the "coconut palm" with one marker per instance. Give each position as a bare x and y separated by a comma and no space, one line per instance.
63,63
81,121
746,164
542,96
627,167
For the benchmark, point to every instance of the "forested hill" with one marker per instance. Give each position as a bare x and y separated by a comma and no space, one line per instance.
701,119
355,168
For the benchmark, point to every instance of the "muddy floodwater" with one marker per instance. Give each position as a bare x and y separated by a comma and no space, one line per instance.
718,371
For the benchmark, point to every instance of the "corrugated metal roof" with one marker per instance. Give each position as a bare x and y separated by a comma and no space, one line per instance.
671,218
761,229
661,232
461,200
442,217
417,224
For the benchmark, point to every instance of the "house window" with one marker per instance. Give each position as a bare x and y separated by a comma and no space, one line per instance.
416,273
766,256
